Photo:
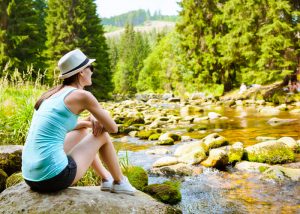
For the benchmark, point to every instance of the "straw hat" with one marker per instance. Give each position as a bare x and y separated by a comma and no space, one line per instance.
72,63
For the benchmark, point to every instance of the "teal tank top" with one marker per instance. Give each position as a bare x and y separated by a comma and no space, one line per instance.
43,154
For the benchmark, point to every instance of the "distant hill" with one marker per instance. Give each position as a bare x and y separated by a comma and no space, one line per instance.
149,26
137,17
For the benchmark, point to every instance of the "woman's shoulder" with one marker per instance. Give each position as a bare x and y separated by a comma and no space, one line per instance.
81,94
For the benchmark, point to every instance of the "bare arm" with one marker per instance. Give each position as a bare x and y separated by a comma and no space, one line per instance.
90,103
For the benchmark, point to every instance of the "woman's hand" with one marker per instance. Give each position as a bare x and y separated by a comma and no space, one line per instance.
96,126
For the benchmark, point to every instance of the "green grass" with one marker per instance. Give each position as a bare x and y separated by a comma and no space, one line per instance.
18,94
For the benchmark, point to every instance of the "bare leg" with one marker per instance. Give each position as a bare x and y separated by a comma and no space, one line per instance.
72,139
84,154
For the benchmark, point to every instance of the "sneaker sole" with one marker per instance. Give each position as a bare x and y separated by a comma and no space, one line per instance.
106,189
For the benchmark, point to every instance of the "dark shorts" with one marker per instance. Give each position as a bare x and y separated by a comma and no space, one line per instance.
61,181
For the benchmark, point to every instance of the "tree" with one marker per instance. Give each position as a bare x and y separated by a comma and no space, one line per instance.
21,33
75,24
133,49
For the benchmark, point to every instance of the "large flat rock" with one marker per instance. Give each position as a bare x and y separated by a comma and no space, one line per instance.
20,199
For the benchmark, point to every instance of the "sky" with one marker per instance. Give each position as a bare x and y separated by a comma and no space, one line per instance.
108,8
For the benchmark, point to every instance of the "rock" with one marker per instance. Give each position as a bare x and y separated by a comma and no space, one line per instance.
213,115
167,96
78,200
3,177
165,161
200,119
280,173
188,148
290,142
264,138
174,99
14,179
168,135
214,140
159,151
145,134
197,96
269,152
154,136
193,157
10,158
234,152
179,169
260,102
251,166
277,121
268,111
167,192
137,176
167,141
217,158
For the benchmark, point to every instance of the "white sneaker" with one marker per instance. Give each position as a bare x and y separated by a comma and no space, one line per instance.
123,187
106,185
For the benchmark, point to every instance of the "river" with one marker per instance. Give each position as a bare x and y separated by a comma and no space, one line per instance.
228,191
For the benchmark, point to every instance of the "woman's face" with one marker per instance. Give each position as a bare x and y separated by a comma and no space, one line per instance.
86,76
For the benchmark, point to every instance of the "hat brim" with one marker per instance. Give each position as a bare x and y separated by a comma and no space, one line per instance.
64,76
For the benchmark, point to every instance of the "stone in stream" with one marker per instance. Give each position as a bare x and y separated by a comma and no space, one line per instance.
214,140
78,200
272,152
217,158
165,161
278,121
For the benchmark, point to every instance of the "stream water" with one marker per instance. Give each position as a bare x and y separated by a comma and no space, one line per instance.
228,191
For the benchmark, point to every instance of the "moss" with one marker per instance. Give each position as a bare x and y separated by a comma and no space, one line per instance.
168,141
167,192
154,136
134,120
14,179
11,163
175,137
272,155
137,176
235,155
190,129
89,179
145,134
263,168
3,177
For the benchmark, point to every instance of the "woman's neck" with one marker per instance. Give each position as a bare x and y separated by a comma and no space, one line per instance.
77,85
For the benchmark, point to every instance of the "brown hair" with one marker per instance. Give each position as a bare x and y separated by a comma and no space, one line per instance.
47,94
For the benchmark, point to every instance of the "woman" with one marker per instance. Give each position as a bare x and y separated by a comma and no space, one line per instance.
58,149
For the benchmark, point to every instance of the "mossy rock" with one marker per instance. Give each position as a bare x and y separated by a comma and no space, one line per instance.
154,136
14,179
123,129
134,120
3,177
269,152
145,134
175,137
165,142
11,158
167,192
137,176
89,179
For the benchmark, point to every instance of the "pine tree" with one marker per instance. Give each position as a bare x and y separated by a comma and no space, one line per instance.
21,33
133,49
198,29
75,24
